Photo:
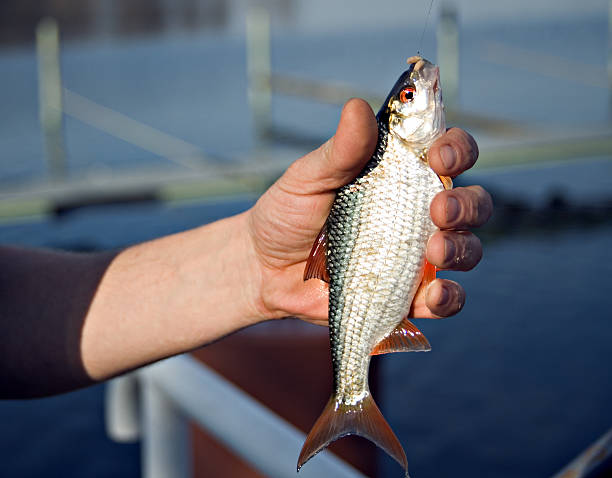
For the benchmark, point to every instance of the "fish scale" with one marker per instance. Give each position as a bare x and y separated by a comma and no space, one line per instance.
394,218
371,250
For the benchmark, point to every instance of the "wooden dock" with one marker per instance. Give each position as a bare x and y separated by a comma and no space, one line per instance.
243,175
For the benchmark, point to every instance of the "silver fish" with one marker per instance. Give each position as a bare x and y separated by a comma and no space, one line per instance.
371,250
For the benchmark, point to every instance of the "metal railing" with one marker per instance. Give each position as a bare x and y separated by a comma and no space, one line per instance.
156,403
593,462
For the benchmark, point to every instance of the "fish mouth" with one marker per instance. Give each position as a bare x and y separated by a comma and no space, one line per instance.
423,70
428,73
417,62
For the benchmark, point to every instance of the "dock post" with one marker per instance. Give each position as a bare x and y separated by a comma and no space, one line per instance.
610,55
166,446
448,56
50,95
122,409
259,71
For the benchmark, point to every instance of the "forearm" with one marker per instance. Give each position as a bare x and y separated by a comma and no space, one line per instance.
168,296
73,319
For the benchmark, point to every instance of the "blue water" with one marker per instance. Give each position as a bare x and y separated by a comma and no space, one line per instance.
519,382
62,437
194,86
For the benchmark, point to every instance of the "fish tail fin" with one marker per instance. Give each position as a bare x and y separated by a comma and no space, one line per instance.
363,419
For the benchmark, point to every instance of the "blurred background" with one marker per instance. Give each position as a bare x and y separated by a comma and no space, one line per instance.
122,121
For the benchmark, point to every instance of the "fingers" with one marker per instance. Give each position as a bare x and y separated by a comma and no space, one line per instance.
452,153
454,250
341,158
444,298
461,208
457,210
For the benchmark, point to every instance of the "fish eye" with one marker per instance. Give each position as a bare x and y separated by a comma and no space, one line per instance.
406,95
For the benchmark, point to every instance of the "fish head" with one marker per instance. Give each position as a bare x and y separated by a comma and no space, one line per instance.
414,106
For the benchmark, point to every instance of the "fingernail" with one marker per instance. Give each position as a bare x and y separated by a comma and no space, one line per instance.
449,250
448,156
444,296
452,209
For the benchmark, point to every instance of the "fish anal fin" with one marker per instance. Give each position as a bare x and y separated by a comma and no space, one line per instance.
447,181
362,418
316,265
405,338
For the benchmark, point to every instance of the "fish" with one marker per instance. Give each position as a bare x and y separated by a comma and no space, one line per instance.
371,251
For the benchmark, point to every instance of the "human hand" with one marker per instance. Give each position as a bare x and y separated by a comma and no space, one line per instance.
454,211
284,223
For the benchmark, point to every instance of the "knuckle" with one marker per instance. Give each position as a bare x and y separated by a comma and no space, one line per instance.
460,298
467,208
479,207
471,146
471,252
485,205
469,153
456,300
474,209
465,144
461,208
475,150
462,252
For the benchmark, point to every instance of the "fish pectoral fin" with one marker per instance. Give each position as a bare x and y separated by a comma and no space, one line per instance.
405,338
316,265
363,419
429,275
446,181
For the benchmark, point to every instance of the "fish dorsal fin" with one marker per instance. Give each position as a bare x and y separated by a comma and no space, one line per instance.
362,418
316,265
405,338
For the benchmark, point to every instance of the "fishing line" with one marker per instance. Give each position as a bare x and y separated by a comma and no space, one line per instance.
425,27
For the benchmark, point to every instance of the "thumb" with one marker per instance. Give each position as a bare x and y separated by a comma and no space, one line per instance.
341,158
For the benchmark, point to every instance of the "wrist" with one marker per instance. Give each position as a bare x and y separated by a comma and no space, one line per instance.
242,271
218,279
